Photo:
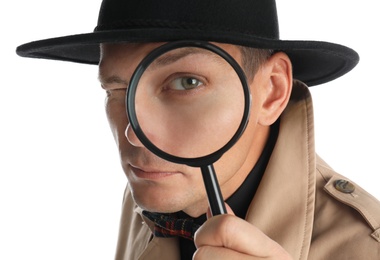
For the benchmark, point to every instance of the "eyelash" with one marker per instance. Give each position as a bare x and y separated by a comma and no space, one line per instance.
182,81
178,78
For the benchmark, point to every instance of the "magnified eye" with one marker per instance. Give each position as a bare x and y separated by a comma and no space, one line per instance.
185,83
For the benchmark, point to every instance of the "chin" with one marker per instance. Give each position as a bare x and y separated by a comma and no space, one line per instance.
153,202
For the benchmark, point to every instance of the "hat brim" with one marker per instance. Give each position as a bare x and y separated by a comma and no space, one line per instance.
314,62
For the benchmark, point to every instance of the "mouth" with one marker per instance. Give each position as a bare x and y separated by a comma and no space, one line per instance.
151,173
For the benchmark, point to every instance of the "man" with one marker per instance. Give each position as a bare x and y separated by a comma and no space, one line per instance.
293,205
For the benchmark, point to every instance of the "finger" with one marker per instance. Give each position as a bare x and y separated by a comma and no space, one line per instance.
236,234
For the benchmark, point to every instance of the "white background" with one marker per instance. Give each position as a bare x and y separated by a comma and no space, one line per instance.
60,181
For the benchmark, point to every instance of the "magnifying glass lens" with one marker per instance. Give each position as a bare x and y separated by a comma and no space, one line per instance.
189,102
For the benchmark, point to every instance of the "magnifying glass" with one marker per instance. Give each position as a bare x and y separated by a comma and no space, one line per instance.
188,102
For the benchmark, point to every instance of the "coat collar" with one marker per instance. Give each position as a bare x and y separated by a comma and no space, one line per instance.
283,207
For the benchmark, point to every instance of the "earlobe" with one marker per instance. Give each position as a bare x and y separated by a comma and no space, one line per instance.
278,88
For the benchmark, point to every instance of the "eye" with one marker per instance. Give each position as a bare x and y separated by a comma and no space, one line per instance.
185,83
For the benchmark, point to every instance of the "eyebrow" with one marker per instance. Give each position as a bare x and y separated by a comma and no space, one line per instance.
161,61
169,58
113,80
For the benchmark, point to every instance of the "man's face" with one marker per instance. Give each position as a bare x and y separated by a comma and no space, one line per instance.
158,185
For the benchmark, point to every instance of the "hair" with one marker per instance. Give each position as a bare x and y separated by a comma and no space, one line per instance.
252,59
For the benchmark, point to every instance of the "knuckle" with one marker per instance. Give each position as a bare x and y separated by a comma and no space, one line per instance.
228,225
228,228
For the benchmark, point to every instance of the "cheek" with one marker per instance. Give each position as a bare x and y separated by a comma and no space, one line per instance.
239,160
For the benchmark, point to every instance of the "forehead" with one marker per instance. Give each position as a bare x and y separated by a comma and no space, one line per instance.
117,49
120,60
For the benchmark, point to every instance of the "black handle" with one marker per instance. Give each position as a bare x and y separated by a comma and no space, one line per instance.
215,198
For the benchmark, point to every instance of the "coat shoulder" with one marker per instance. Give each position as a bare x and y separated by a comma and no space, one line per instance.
349,193
347,218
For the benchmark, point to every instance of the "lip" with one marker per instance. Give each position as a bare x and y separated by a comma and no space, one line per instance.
151,174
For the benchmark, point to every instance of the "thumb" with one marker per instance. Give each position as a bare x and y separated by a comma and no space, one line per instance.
228,208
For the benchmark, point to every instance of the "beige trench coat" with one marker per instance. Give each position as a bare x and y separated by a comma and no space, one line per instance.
296,204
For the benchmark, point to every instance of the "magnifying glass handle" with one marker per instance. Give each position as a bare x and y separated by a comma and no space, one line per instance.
214,195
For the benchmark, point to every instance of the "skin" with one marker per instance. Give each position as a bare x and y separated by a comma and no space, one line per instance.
161,186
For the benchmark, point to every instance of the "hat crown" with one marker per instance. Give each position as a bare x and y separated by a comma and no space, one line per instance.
255,17
251,23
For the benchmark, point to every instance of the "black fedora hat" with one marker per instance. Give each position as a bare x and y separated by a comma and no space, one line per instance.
251,23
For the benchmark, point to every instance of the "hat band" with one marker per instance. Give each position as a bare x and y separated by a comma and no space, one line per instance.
168,24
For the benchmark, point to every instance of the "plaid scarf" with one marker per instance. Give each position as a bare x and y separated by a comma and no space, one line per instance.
169,225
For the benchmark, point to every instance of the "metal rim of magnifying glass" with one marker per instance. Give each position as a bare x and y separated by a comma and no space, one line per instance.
131,111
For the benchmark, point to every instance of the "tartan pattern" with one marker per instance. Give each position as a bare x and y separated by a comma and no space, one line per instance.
168,225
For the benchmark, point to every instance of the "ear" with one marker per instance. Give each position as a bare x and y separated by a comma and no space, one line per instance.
277,88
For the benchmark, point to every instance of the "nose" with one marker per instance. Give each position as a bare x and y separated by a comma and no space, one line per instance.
131,137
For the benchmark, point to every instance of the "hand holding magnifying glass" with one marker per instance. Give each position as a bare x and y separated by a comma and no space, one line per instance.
188,102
